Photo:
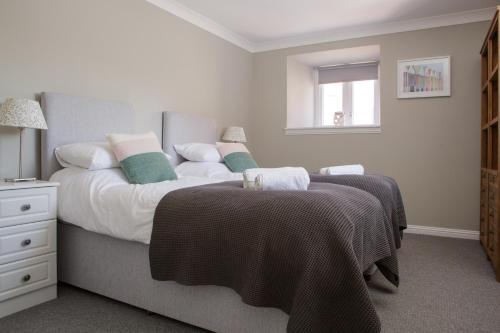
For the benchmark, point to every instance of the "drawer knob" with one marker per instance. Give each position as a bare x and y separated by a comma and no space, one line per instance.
26,242
26,278
25,207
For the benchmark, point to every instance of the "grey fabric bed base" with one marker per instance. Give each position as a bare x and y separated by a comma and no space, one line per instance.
119,269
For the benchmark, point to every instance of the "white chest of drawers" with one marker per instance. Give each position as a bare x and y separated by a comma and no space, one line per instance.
28,243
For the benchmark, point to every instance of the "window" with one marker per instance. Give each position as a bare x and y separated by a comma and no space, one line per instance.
345,104
334,91
347,96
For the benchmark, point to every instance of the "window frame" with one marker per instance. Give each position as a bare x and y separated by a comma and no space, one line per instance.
346,105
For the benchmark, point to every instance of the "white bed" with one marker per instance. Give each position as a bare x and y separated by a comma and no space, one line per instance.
103,201
106,260
210,170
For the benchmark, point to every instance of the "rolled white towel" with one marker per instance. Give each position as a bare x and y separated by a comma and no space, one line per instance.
287,178
277,182
352,169
253,173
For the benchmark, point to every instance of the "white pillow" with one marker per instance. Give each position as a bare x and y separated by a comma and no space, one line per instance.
203,169
198,152
87,155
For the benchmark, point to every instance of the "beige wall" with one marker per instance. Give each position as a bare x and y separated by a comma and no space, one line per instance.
131,51
125,50
300,94
429,145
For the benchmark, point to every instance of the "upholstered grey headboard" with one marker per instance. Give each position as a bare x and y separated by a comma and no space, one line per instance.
181,128
73,119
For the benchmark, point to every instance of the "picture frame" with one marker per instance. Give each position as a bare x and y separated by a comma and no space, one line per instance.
424,77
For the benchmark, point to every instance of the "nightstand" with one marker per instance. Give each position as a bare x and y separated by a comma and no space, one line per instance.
28,262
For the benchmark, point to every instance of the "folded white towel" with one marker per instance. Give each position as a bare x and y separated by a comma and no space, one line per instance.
353,169
253,173
277,179
276,182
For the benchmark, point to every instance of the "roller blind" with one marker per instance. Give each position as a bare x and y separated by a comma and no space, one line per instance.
348,73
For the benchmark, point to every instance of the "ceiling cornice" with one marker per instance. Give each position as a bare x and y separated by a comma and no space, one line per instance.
379,29
203,22
223,32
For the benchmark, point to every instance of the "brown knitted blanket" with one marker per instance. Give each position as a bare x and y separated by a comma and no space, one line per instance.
300,251
384,188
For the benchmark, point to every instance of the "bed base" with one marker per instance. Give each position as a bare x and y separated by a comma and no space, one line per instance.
119,269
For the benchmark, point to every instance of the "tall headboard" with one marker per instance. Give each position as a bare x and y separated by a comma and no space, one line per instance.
73,119
181,128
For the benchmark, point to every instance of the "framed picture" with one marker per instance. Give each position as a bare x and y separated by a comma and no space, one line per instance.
424,77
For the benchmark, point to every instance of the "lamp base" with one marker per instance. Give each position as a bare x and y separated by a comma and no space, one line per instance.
19,180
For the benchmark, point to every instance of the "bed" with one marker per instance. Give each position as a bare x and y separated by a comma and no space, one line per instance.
101,263
120,268
177,125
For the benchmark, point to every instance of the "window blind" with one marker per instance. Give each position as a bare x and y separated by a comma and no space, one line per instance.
348,73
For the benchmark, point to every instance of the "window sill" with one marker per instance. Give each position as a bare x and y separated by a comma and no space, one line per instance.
333,130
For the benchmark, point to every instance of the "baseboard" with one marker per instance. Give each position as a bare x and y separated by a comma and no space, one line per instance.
442,232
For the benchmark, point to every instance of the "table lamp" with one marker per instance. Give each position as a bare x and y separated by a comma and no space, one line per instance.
21,113
234,134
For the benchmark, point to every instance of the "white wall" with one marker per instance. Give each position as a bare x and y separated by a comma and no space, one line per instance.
122,50
300,94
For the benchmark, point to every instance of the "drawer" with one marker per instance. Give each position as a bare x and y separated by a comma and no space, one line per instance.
492,195
27,205
483,230
492,178
492,228
492,212
27,275
492,247
484,190
27,240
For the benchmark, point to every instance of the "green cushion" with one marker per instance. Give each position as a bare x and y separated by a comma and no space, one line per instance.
147,168
239,161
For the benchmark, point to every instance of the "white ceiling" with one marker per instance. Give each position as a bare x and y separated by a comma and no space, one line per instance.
264,20
267,24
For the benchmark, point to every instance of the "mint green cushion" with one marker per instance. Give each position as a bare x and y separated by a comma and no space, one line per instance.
147,168
239,161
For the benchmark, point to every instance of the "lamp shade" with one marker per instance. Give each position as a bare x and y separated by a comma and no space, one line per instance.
22,113
235,134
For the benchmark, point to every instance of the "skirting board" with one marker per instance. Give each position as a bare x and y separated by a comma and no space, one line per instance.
442,232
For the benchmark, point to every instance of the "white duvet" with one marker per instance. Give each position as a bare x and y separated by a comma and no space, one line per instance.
212,170
103,201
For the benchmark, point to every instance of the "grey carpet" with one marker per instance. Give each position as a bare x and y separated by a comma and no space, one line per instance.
447,285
